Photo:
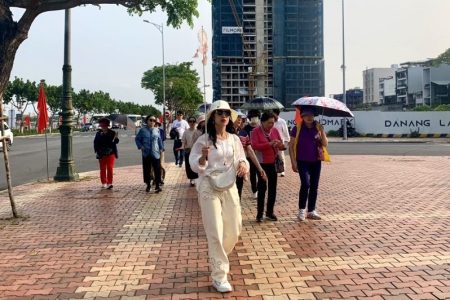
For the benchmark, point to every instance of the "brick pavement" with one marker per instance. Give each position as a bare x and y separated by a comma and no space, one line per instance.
385,234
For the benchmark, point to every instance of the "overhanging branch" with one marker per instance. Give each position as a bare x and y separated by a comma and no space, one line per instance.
50,5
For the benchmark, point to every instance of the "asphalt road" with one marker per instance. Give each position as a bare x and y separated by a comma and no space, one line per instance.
28,158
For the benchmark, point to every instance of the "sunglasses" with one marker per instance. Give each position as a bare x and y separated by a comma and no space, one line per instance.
191,121
221,112
152,120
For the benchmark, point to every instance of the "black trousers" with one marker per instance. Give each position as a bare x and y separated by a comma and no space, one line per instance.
309,177
179,154
149,163
254,176
189,173
270,186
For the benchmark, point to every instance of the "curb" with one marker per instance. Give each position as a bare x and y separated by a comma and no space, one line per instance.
425,135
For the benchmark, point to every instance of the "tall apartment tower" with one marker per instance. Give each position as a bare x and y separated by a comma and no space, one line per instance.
267,48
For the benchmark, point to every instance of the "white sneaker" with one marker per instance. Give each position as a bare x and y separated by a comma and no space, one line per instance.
282,174
313,215
104,186
222,287
301,214
255,195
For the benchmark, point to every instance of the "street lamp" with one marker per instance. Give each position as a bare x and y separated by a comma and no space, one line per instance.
161,30
66,170
344,95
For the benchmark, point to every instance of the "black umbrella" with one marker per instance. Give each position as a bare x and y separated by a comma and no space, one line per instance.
262,103
123,120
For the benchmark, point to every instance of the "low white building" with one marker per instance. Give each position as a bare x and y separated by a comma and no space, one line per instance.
371,83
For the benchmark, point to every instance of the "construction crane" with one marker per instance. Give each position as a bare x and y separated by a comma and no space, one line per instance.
256,62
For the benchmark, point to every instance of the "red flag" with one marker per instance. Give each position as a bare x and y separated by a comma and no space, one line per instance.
42,110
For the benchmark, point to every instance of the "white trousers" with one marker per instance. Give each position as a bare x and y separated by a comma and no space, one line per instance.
222,220
281,153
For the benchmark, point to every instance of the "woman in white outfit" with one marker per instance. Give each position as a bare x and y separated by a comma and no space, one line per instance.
216,152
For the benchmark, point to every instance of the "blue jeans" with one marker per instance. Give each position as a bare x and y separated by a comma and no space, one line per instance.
309,177
179,154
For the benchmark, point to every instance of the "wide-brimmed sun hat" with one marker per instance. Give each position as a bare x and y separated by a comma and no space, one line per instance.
201,118
221,104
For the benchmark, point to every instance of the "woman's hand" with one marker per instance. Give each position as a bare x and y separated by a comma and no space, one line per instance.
263,175
204,157
294,168
242,169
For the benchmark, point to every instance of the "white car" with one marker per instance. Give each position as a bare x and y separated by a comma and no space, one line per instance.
9,134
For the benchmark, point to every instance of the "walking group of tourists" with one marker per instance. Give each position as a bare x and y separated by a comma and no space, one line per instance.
222,150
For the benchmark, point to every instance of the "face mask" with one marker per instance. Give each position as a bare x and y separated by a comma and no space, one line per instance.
254,120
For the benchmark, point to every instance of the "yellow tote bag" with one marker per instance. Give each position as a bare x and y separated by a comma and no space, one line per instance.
326,155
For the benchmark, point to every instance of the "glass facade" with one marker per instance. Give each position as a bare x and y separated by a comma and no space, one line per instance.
292,60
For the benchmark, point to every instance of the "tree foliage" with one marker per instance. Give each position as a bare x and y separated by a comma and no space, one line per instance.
444,58
182,92
84,102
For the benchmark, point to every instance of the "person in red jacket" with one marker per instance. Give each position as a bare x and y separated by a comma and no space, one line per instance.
266,141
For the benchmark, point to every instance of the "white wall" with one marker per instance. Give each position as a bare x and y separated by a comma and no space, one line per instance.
377,122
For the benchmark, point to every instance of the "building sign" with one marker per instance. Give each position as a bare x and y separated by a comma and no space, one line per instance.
377,122
232,30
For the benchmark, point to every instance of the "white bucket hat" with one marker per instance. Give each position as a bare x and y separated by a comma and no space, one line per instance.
221,104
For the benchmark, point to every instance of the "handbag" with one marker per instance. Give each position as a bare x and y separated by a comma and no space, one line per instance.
279,164
222,180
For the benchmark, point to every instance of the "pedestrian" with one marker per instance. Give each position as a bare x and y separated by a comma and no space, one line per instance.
105,147
179,126
281,125
187,143
307,140
218,157
249,153
148,140
253,116
266,141
162,159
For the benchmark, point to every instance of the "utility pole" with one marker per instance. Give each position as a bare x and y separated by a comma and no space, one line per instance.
66,170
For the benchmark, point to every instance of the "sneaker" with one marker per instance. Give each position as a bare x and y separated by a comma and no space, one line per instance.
301,214
158,189
110,186
259,219
271,217
222,287
255,195
104,186
313,215
180,165
192,183
282,174
147,189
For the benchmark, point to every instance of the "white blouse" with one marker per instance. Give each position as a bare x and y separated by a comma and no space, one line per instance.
220,158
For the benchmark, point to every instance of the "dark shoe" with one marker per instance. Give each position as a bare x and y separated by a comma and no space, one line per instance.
158,189
180,165
162,182
110,187
148,188
259,219
272,217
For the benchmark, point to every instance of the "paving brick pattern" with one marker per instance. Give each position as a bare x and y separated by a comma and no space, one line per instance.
385,234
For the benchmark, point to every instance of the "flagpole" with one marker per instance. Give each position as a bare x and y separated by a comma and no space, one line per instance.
46,151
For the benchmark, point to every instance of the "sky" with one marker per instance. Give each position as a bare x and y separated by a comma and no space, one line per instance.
111,49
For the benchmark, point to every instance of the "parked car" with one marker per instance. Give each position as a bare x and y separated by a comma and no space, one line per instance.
9,134
87,127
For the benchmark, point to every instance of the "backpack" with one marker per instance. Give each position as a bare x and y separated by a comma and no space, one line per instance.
173,133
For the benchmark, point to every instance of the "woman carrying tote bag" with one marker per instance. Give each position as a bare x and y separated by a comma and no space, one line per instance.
218,157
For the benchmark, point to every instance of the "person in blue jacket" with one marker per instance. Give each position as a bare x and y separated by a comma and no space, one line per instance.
149,141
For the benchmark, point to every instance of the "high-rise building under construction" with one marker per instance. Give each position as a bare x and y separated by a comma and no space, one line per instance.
267,48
